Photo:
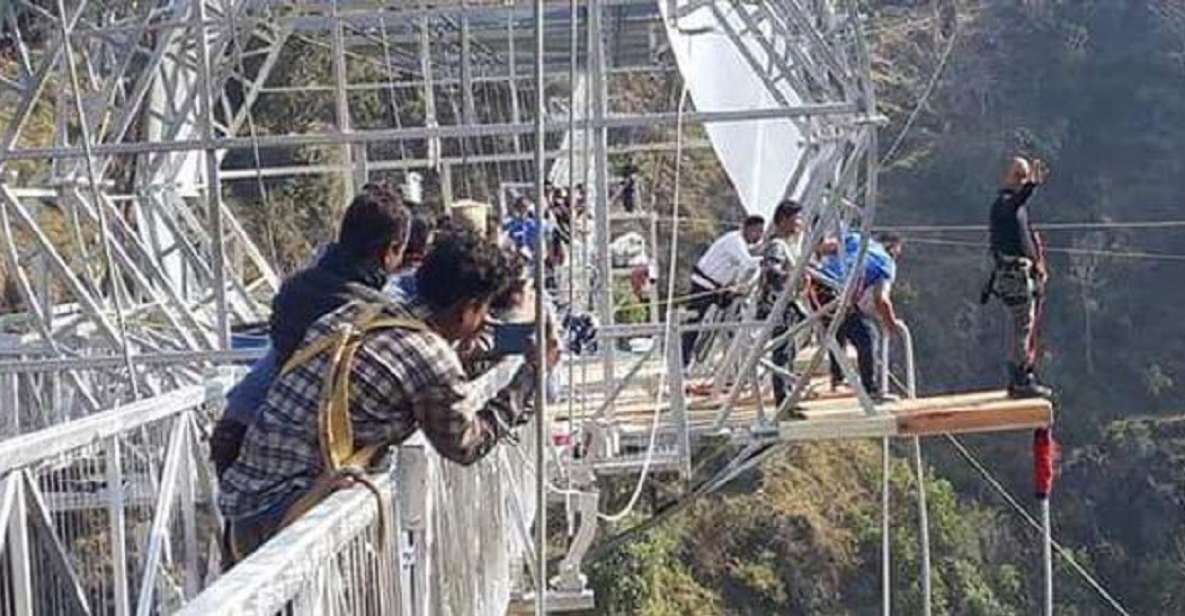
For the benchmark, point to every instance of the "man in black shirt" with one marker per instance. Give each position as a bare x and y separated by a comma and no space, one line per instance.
1019,275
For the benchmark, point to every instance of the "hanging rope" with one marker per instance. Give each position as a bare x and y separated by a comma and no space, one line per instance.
670,315
1028,518
913,115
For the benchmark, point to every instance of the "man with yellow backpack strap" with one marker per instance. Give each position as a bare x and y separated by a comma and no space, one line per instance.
367,377
370,245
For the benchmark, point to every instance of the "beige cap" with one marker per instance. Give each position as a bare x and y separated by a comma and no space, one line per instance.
472,213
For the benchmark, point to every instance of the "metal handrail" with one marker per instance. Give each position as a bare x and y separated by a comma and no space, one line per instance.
47,444
911,387
291,567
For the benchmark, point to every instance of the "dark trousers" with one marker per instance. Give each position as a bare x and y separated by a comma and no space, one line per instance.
854,329
783,354
243,536
701,298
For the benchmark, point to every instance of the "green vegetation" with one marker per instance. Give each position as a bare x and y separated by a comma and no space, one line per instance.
1098,89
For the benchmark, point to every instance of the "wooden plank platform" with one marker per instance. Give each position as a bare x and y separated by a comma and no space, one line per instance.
829,414
840,416
960,413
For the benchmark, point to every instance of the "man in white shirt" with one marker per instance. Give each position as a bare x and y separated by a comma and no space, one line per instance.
716,275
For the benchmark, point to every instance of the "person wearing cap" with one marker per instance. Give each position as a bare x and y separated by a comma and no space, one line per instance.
1019,275
472,214
715,277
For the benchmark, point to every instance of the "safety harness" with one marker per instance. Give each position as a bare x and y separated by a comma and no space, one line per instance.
335,431
342,462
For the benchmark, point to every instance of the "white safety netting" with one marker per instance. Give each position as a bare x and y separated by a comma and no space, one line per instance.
759,156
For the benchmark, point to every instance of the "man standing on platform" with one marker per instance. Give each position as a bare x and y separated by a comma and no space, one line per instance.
873,305
715,276
779,258
1019,275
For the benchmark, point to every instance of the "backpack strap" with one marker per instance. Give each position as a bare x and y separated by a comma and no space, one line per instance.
334,429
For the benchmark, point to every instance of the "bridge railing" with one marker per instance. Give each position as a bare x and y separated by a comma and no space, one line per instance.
440,539
342,557
109,513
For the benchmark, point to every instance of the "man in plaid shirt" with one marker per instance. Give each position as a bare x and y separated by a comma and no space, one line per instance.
401,380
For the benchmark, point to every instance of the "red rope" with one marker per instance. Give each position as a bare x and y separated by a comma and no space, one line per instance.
1033,344
1045,453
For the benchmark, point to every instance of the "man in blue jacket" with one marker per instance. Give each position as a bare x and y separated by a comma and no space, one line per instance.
872,303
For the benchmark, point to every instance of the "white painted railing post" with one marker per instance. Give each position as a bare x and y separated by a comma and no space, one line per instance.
192,577
18,547
415,510
117,521
159,534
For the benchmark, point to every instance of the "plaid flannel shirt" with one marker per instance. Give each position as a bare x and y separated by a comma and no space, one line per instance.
400,381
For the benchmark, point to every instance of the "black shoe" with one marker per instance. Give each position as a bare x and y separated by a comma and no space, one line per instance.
1029,390
1024,384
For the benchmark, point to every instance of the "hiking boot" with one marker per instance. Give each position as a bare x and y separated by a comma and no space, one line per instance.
1024,384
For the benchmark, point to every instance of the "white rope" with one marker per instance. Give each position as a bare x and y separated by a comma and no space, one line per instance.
670,315
1011,500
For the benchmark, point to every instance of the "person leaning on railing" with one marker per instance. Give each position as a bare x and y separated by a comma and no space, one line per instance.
872,300
402,377
370,246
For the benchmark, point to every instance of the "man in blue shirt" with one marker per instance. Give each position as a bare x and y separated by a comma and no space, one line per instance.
872,303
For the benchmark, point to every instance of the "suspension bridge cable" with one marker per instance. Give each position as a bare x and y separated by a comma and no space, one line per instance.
1116,254
1015,504
913,115
1051,226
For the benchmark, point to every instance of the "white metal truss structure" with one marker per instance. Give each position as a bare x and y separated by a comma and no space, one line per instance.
127,128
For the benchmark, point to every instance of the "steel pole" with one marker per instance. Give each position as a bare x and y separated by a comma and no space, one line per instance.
540,329
886,552
1047,554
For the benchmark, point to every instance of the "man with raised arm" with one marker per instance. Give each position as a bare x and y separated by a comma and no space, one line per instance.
1019,273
